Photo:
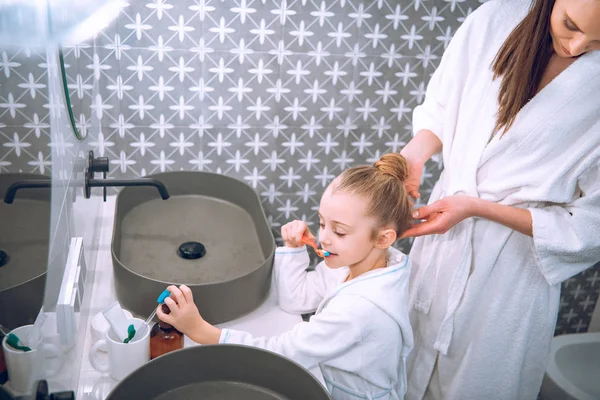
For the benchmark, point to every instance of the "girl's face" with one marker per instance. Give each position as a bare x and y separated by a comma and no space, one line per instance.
346,229
575,27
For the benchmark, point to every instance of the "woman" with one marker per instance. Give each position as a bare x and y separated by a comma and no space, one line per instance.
514,108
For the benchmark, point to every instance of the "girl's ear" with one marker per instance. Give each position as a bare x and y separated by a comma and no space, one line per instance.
385,238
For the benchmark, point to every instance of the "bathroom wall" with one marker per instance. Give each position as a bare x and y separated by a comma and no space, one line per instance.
283,94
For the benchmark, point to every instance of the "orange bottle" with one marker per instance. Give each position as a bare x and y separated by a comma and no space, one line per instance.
164,337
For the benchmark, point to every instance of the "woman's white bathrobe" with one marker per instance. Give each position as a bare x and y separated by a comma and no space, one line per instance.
484,298
360,335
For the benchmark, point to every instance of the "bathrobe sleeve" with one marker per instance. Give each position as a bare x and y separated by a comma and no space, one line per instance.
446,86
566,238
328,334
300,291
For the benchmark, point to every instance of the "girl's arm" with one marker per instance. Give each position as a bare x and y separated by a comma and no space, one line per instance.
299,291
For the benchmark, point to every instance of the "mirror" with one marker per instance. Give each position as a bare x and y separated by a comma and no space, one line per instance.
79,133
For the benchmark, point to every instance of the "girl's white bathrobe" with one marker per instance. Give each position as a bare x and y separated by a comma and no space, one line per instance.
360,335
484,298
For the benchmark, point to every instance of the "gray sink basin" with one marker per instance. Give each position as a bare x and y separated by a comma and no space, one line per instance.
221,213
24,237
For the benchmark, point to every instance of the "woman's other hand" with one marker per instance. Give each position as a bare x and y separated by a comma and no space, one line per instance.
440,216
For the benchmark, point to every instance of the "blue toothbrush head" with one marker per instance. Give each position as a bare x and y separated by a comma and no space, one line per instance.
326,253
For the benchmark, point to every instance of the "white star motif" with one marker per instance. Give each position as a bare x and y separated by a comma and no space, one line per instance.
202,9
242,51
201,89
33,87
219,144
283,12
138,26
221,70
360,15
328,144
181,144
239,126
142,144
161,49
237,161
322,13
262,31
202,50
199,162
301,33
162,161
162,126
220,108
260,71
243,10
140,68
181,28
161,88
222,30
160,6
256,144
17,144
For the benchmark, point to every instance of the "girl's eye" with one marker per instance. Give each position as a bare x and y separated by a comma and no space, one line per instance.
340,234
322,225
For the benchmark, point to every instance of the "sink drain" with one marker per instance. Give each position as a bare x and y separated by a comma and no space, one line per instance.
3,258
191,250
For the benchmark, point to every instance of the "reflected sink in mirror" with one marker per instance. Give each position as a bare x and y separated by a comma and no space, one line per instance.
24,239
211,234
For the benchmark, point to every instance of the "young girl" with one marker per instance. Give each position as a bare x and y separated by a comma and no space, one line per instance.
360,335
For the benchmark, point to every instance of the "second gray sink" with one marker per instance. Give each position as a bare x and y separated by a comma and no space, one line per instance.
223,214
24,239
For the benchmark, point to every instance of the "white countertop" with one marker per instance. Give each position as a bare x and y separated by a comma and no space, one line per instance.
266,320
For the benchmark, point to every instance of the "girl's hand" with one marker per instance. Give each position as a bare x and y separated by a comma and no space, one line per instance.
186,318
440,216
292,233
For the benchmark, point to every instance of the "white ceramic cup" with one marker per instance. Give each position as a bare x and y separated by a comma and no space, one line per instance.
123,358
26,367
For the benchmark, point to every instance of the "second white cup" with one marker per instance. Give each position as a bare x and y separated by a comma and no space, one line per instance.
123,358
25,367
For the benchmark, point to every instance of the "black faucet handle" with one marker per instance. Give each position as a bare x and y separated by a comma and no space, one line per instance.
99,164
96,164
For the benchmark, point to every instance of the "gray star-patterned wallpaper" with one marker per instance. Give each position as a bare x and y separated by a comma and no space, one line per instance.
284,94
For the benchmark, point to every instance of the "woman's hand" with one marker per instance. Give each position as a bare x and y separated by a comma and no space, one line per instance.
186,318
292,233
440,216
413,181
416,152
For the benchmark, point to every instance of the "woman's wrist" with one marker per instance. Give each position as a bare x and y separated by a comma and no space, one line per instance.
421,147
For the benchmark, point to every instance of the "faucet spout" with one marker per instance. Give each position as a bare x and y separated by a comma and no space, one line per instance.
11,192
164,194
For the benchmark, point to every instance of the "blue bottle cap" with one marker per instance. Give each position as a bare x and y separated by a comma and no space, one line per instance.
163,296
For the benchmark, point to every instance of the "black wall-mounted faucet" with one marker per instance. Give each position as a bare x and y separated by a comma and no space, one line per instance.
100,164
11,192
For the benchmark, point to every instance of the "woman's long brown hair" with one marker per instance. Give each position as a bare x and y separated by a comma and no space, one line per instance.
521,62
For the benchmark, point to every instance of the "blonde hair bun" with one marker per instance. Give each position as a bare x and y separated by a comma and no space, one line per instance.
393,164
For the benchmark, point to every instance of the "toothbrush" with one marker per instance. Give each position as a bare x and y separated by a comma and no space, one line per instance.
13,341
311,242
142,330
